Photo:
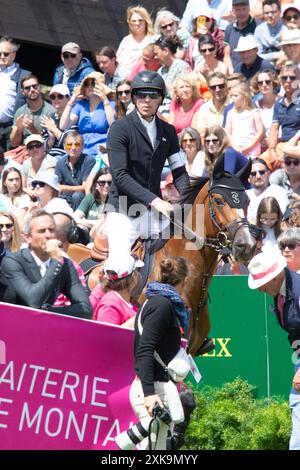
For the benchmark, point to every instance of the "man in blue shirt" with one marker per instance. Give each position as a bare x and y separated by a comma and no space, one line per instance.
267,34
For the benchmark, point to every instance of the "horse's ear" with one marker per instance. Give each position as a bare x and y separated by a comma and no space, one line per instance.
244,173
219,168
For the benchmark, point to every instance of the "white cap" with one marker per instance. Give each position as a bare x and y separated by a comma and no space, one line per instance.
70,47
47,177
290,36
34,138
61,89
264,267
246,43
122,267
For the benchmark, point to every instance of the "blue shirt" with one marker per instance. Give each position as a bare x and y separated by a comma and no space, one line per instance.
233,34
288,117
259,65
77,175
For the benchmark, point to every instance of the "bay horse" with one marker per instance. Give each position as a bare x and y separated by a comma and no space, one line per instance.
221,197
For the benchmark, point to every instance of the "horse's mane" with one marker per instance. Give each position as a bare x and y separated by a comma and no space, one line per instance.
191,191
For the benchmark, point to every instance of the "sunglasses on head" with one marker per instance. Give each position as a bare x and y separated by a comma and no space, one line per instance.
290,161
142,95
169,25
39,184
103,183
259,172
68,55
261,82
123,92
35,87
58,96
68,145
290,245
285,78
8,226
35,146
291,17
221,86
208,49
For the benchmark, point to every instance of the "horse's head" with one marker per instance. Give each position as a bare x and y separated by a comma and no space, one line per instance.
227,204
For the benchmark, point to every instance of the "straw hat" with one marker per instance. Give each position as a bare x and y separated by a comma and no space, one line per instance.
264,267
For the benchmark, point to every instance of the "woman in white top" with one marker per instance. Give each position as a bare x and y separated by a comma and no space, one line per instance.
190,143
141,34
13,197
269,217
46,189
265,83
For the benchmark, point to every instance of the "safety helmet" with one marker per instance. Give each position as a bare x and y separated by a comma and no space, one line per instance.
148,80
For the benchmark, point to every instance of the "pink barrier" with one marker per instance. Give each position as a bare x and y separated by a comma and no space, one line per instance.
64,382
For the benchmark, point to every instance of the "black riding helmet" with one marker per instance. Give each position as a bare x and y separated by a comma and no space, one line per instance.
148,80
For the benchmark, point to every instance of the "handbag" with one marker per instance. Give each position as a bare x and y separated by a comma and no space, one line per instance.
179,367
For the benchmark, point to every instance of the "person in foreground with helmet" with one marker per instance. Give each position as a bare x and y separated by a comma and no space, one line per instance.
269,274
138,146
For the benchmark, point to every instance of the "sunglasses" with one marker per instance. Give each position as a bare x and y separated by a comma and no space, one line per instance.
8,226
211,141
291,17
34,146
261,82
259,172
142,95
90,82
35,87
285,78
214,87
290,161
39,184
123,92
184,141
169,25
103,183
77,145
6,54
208,49
58,96
291,246
68,55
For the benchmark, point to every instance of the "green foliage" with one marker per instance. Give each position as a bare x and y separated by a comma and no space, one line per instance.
231,418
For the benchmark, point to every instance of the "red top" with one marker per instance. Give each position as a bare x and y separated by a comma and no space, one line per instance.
183,119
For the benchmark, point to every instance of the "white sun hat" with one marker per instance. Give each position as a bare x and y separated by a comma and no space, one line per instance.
264,267
246,43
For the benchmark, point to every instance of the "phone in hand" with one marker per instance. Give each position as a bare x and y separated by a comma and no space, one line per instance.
201,22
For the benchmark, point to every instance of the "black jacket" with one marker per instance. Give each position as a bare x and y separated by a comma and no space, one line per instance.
291,307
136,167
33,290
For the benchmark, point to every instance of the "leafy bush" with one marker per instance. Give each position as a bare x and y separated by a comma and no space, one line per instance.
231,418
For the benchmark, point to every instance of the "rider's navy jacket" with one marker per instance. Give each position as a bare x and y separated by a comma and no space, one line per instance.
291,307
136,166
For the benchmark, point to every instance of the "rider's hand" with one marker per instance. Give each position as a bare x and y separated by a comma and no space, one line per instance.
163,206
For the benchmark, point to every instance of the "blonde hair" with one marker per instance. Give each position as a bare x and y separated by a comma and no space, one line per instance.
144,15
16,233
243,90
99,79
187,79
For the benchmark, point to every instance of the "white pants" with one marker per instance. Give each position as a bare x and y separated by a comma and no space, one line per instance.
123,231
167,391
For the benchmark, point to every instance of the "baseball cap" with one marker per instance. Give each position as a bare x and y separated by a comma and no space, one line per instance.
71,47
61,89
121,267
240,2
34,138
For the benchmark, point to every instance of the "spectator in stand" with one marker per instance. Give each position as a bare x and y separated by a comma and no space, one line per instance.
269,217
286,117
216,143
140,35
289,245
73,170
91,210
207,49
288,177
266,83
212,112
204,24
250,63
146,62
123,99
11,96
38,161
10,232
27,118
261,188
291,15
243,123
233,80
268,33
165,51
13,197
38,273
106,59
167,24
190,143
74,67
291,46
185,103
243,25
93,113
112,301
46,189
221,10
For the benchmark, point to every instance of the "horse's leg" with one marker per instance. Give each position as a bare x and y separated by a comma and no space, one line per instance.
200,330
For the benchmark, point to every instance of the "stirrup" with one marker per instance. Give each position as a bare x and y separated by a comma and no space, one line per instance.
207,346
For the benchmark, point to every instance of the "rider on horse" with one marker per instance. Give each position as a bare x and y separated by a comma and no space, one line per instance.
138,147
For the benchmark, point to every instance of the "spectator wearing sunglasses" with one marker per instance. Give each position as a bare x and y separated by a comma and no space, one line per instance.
288,177
74,67
46,189
167,24
289,245
27,119
10,232
123,99
261,188
291,15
